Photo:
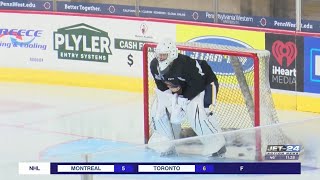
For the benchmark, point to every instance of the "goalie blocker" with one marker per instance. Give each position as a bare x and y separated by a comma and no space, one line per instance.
181,83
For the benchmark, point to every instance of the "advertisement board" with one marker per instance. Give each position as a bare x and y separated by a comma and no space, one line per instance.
286,62
32,5
78,44
188,15
238,38
253,39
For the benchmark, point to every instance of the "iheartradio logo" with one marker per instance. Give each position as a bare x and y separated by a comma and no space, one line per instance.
286,50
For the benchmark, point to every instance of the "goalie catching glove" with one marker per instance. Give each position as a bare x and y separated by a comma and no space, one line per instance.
179,108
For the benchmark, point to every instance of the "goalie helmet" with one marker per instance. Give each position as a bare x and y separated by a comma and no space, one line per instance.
166,51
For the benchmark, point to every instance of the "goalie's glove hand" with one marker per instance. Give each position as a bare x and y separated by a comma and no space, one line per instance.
179,106
163,97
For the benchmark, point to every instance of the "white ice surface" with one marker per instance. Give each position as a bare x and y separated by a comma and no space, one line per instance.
36,117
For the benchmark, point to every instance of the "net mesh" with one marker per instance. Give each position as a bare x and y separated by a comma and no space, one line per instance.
236,71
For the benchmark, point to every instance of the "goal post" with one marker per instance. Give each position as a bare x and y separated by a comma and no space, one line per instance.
244,98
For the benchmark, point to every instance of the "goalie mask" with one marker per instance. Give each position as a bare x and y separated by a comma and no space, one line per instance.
166,51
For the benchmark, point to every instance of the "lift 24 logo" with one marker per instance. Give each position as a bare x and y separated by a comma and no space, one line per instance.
282,152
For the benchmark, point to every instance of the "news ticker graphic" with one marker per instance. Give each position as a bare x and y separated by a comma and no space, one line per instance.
282,152
158,168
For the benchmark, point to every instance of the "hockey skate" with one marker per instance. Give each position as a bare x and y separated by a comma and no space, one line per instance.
220,153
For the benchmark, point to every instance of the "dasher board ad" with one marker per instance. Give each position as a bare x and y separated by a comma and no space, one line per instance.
77,44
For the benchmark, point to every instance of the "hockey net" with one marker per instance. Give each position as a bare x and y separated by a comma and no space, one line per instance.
244,99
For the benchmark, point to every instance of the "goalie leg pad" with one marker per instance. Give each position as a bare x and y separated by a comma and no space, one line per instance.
161,123
164,127
163,131
163,134
204,125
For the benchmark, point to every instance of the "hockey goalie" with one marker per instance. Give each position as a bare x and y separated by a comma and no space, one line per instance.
181,86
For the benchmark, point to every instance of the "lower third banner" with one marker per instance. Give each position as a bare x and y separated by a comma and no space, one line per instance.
158,168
